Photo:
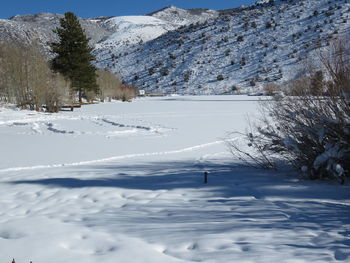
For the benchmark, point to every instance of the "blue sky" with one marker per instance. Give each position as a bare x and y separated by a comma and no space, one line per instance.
87,8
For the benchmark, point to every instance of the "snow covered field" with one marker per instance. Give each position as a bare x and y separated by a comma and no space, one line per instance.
123,182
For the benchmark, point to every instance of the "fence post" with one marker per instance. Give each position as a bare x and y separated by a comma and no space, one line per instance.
205,177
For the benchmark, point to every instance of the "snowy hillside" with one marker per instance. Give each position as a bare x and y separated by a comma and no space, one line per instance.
25,32
39,27
115,33
123,182
202,51
241,48
133,30
130,30
182,17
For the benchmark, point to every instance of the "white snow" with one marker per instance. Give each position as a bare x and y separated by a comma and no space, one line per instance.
123,182
133,29
179,17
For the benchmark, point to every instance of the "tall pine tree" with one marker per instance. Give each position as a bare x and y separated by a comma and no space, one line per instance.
73,59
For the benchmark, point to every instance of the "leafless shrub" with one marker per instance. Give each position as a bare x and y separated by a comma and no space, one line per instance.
57,93
337,65
249,148
109,84
127,92
297,87
271,89
112,87
310,131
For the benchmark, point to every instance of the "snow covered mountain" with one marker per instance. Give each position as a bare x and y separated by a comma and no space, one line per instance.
240,48
105,32
182,17
202,51
28,28
130,30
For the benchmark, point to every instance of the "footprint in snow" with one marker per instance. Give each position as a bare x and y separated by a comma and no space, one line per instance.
51,128
341,255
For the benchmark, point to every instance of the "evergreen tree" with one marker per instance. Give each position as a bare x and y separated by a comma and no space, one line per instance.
74,56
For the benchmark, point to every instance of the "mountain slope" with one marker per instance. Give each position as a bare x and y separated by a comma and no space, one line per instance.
130,30
104,32
202,51
240,48
178,16
39,28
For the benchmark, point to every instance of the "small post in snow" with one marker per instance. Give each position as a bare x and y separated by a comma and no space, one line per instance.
205,177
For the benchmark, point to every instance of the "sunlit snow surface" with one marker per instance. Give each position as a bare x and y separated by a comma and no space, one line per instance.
133,29
123,182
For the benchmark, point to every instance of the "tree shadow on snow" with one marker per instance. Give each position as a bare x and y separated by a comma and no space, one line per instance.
255,200
149,176
226,180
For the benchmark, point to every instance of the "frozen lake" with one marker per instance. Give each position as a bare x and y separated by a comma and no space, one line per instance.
123,182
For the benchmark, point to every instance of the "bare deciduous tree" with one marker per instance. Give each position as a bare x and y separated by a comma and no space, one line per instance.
26,79
111,87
